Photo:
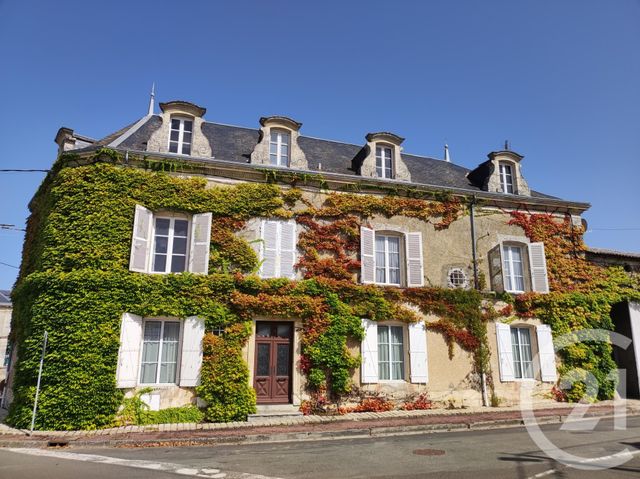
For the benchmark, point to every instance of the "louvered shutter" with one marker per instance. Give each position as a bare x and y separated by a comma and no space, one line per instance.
269,249
546,353
192,335
538,262
505,352
140,241
369,367
415,276
287,248
418,352
496,270
200,240
367,255
129,352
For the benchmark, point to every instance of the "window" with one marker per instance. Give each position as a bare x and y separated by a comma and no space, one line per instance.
170,245
180,136
387,259
512,257
384,162
390,353
279,148
522,357
7,355
457,278
506,178
391,258
515,353
278,249
159,363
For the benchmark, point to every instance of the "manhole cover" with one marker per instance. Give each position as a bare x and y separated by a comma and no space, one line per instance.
429,452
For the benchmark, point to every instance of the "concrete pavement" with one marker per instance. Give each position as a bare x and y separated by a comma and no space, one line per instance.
300,428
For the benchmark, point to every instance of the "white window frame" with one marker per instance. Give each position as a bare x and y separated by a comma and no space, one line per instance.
181,131
381,171
465,279
386,267
389,344
507,178
158,362
172,219
281,159
518,366
509,275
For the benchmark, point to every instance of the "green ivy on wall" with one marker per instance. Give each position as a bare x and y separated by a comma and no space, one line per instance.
75,284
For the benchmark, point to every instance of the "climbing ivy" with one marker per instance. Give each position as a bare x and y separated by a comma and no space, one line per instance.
75,284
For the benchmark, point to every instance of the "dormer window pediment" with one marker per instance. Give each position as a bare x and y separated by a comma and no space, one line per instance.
383,158
181,130
278,144
501,173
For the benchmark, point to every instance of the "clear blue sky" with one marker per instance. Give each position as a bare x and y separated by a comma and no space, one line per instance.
559,79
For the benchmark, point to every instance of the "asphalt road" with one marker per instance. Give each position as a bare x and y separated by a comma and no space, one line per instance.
502,453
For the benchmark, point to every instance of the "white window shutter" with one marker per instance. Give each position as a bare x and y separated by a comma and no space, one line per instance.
129,353
415,275
369,367
538,262
200,241
367,255
496,269
192,335
269,268
287,248
505,352
546,353
141,240
418,352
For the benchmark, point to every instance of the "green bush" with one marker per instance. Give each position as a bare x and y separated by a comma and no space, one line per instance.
225,377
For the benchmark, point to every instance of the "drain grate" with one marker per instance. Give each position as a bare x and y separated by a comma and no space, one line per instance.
57,443
429,452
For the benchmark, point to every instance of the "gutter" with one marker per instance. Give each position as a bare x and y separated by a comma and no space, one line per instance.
500,199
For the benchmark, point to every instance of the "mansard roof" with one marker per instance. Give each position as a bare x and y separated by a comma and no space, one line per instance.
235,144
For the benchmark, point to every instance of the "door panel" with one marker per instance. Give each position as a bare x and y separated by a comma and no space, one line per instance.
273,362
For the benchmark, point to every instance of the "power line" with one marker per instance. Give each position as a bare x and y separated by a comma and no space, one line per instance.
9,265
613,229
22,171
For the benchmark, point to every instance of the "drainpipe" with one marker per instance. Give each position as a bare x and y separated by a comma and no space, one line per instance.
476,285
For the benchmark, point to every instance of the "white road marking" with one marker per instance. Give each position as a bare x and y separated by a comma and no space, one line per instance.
181,469
626,454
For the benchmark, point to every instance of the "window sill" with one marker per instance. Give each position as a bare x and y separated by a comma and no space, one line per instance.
158,385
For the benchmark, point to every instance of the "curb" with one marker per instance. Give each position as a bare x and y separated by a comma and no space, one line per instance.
281,437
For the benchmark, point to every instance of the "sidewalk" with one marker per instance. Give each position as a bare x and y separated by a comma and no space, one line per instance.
299,428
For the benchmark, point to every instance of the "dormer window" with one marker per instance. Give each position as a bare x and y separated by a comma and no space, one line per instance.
506,178
384,162
279,148
180,136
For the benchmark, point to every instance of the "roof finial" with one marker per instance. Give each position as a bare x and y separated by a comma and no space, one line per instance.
447,158
506,145
152,99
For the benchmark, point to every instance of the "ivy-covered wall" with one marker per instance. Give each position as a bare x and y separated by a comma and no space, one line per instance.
75,284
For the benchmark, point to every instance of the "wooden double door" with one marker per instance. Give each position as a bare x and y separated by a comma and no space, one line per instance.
273,364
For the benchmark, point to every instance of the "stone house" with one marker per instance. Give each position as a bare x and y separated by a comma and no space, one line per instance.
398,225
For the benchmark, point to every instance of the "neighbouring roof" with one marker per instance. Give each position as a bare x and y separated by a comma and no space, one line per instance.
611,252
5,297
235,143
